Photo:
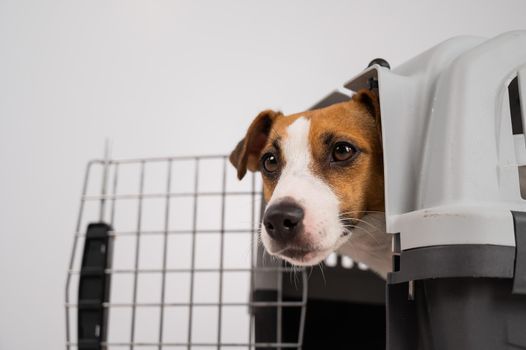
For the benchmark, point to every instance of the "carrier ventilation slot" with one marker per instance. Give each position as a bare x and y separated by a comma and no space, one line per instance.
517,126
515,107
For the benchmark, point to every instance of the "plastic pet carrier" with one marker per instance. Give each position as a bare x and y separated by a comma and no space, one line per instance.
455,155
156,260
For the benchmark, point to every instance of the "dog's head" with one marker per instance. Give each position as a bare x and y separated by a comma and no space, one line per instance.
322,170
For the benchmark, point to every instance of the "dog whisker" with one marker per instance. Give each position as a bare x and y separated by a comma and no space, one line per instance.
345,223
280,251
360,220
358,227
263,258
365,211
370,220
349,216
295,277
310,272
320,265
367,232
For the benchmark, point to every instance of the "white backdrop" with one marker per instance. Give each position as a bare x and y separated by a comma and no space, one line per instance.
166,78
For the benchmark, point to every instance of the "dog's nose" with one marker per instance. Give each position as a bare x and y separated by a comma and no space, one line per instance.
283,220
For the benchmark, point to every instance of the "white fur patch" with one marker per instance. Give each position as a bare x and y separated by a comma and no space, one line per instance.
321,222
296,149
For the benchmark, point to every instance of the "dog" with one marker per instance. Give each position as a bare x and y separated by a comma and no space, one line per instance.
322,181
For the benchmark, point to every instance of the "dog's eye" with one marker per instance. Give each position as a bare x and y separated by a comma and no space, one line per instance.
270,162
342,151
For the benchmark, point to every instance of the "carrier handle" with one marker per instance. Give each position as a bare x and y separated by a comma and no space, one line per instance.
94,288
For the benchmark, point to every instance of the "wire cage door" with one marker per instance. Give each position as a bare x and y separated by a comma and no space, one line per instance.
165,255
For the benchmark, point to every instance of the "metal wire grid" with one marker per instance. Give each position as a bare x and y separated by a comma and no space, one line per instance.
107,200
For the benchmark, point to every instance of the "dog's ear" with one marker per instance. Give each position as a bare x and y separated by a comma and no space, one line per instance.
370,101
246,154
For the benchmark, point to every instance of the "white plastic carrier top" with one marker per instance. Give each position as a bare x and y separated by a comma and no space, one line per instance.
451,159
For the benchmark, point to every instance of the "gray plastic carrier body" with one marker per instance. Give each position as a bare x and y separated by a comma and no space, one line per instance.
454,152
